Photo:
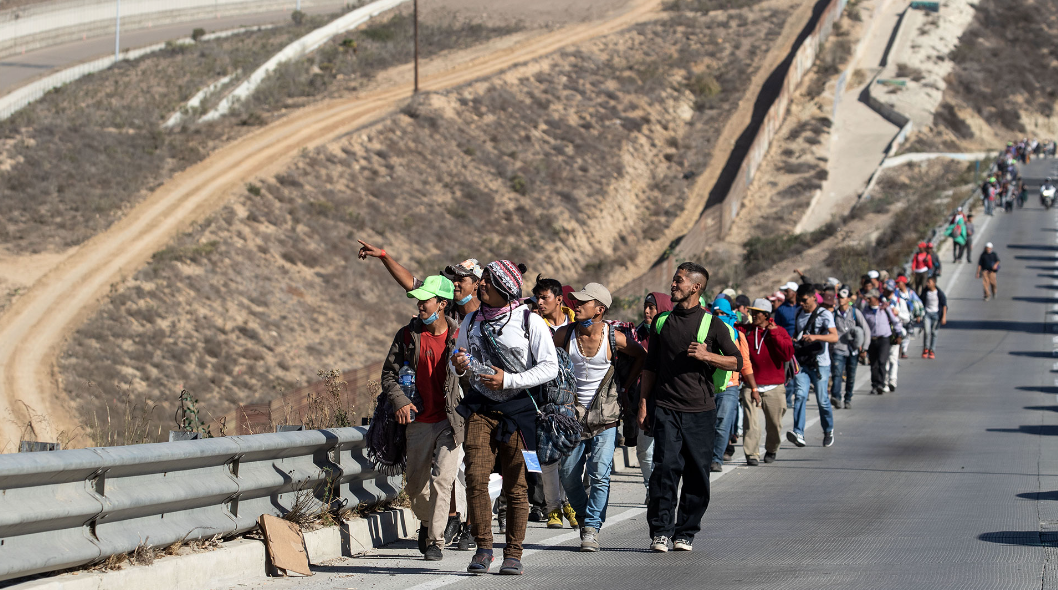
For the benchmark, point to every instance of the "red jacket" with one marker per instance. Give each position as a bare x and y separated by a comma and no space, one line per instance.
769,350
921,262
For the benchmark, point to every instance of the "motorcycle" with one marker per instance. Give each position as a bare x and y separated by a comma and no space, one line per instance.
1047,196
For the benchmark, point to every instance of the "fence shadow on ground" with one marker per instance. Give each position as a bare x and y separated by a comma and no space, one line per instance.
1023,538
1000,325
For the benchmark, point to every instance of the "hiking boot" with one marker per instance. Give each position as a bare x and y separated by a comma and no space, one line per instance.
451,529
769,457
682,545
589,539
536,514
464,540
480,563
931,355
433,553
660,544
828,439
716,467
571,515
797,439
554,520
729,452
752,461
511,567
424,532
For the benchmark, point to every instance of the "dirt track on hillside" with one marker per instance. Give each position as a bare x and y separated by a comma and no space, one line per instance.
33,329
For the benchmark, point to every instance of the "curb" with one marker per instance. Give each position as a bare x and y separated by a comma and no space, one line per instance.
238,561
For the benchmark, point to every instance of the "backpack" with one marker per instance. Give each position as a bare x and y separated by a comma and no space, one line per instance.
720,378
957,231
807,353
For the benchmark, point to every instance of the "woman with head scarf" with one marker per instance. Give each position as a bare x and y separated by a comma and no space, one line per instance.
727,404
504,351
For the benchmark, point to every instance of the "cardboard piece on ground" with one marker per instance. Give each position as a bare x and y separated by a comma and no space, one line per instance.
285,545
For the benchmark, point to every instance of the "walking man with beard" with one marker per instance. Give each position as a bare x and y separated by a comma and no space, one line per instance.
688,355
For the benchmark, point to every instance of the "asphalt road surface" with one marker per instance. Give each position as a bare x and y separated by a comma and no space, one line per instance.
16,70
950,482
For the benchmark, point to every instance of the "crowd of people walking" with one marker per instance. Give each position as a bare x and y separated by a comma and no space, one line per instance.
541,389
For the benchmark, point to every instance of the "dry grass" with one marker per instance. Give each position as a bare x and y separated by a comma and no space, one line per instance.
251,302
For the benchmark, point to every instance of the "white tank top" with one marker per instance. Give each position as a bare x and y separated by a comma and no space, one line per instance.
589,371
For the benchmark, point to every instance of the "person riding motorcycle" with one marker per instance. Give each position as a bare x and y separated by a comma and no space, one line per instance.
1047,191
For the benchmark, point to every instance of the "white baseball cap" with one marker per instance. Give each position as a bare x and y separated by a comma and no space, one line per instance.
988,245
791,286
873,274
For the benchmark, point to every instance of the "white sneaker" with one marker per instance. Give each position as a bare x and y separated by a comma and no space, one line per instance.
660,544
681,545
797,439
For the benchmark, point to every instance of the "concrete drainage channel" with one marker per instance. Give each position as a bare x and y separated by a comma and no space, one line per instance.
238,561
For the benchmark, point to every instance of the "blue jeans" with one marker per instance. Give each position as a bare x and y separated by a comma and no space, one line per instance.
806,378
726,414
844,365
930,326
595,454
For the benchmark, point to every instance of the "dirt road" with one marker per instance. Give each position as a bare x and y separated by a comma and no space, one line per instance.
34,328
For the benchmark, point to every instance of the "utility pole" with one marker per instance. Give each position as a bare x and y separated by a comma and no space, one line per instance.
117,35
416,19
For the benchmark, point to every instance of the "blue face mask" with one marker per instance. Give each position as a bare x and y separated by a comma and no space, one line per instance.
432,318
587,323
465,300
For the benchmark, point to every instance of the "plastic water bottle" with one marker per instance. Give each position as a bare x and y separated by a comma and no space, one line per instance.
477,367
406,378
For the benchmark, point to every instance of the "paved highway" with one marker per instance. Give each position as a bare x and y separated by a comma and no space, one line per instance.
950,482
16,70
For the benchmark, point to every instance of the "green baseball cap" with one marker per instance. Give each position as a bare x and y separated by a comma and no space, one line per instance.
434,286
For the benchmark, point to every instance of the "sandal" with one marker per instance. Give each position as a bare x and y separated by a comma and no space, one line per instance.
481,562
511,567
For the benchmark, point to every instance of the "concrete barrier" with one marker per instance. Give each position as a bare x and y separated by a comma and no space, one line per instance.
300,48
41,25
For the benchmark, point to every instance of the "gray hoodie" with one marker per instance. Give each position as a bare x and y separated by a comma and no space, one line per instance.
853,331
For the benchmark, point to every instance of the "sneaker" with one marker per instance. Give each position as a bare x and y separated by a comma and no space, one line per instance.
681,545
660,544
451,529
716,467
464,541
424,532
797,439
835,403
729,452
931,355
554,520
571,515
589,539
892,387
828,439
925,354
536,514
480,563
433,553
903,355
501,521
752,461
848,405
511,567
769,457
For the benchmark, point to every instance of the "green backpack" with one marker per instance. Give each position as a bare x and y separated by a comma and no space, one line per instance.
720,378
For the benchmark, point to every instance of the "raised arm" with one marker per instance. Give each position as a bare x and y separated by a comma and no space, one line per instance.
400,274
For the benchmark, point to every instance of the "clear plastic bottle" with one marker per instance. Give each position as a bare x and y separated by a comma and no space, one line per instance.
406,378
477,367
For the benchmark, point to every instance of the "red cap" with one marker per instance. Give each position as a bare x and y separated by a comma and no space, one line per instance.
901,279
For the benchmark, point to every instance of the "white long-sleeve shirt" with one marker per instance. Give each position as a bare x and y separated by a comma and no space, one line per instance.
542,362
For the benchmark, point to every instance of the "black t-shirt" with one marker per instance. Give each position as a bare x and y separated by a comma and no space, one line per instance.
683,383
988,260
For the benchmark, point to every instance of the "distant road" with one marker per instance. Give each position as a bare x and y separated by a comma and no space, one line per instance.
16,70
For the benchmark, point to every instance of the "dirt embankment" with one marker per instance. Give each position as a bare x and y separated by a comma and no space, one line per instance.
568,163
1002,83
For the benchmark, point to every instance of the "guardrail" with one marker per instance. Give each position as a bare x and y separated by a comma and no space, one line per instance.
63,509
